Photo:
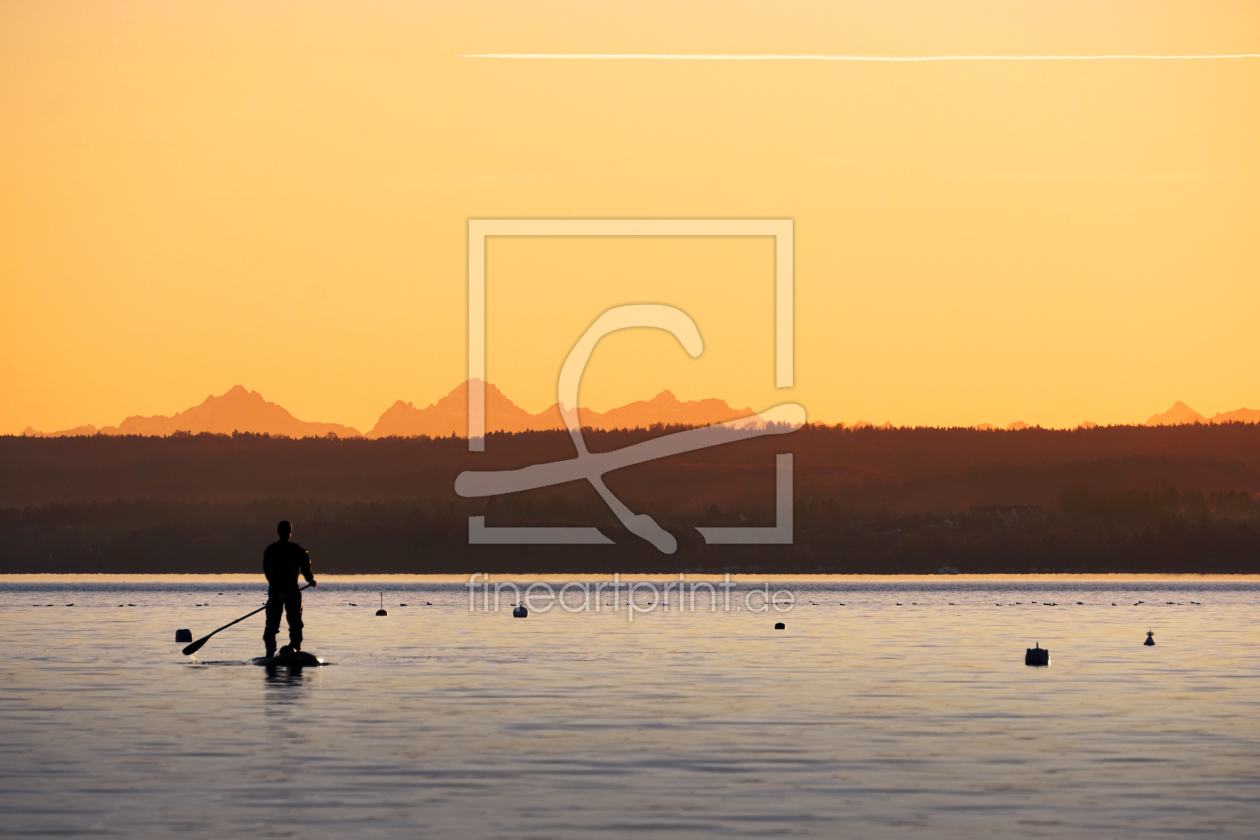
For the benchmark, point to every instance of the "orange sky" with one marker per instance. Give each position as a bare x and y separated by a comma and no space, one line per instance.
195,195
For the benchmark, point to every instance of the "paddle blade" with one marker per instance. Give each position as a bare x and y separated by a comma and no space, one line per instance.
195,646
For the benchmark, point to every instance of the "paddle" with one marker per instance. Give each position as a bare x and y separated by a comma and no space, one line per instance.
197,645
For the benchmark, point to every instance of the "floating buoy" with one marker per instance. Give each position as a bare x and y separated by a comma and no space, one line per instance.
780,626
520,611
1037,656
381,611
1150,638
183,635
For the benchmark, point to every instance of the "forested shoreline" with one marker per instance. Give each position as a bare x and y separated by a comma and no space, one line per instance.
1182,499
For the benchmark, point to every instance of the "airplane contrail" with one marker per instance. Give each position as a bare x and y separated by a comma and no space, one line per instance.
881,58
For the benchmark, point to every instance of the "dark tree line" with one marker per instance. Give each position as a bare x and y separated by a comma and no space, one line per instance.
1170,499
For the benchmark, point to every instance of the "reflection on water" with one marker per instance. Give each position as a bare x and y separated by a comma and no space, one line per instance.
283,679
882,710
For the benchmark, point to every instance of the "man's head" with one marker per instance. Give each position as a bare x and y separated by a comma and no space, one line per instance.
284,529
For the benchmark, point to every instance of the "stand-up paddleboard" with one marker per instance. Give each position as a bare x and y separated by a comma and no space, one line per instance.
299,659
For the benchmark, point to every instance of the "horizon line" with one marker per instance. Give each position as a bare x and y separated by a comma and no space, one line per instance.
857,58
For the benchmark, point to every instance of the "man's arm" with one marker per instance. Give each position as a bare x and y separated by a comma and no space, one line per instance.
306,568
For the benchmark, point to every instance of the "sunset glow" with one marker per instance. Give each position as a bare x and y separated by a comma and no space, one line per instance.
194,196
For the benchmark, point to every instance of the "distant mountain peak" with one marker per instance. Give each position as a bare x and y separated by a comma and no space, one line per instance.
236,410
449,415
1179,414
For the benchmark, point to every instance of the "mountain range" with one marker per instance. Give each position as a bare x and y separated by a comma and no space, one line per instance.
237,410
1181,413
241,410
449,415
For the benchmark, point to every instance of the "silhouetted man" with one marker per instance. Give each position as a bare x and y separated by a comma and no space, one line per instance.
283,561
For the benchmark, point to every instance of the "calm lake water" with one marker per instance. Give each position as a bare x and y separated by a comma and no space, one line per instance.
885,709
